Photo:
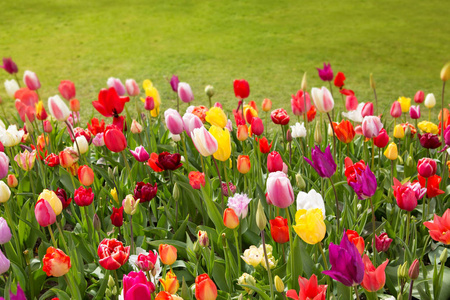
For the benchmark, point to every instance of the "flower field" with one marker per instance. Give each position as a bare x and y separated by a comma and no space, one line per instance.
205,201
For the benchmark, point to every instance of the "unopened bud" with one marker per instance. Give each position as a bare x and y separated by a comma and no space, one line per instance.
12,181
317,135
372,82
443,257
400,160
111,282
279,285
300,182
203,239
410,161
176,192
209,91
445,72
402,272
414,269
261,219
288,135
304,82
96,222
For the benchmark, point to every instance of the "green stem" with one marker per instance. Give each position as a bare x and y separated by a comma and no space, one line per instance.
356,292
62,237
424,216
126,163
52,236
31,183
374,228
334,135
238,249
290,258
442,112
132,235
263,238
117,282
13,230
88,223
338,214
408,220
220,184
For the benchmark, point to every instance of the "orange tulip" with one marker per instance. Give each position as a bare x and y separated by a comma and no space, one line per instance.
230,219
55,262
345,131
168,254
163,296
170,284
74,105
243,164
205,288
242,132
86,175
266,105
358,241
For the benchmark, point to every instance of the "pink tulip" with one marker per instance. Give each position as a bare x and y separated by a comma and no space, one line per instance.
4,165
67,89
414,112
140,154
185,92
45,215
285,168
31,80
274,162
279,190
323,100
149,103
367,110
174,122
58,109
419,97
117,85
358,130
396,110
371,126
351,102
298,103
98,140
257,126
219,105
132,87
48,126
205,143
191,122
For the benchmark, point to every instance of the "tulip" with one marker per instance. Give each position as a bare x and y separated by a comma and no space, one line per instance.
117,216
140,154
257,126
374,278
62,196
209,91
407,194
310,200
4,165
170,283
130,205
371,126
326,74
9,66
109,103
136,127
243,164
419,97
58,109
279,230
117,85
309,225
426,167
83,196
230,219
445,72
167,254
428,127
430,101
174,122
67,89
242,132
204,141
5,192
185,92
396,110
196,179
391,151
47,126
322,162
264,146
114,139
145,191
298,130
432,185
230,187
205,289
367,109
31,80
216,116
44,213
347,266
239,204
345,132
41,114
52,199
439,227
429,141
112,254
274,162
382,242
12,181
250,112
323,100
11,87
152,162
279,190
309,289
136,286
168,161
414,112
298,104
67,158
132,87
355,115
191,122
356,239
405,103
399,133
351,103
339,80
82,143
222,137
280,116
86,175
5,232
151,91
241,88
149,103
266,105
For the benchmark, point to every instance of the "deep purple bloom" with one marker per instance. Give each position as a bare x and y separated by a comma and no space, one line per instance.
19,296
429,141
347,266
326,74
9,65
365,185
174,83
322,162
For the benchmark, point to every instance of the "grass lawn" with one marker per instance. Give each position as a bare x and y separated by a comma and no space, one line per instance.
269,43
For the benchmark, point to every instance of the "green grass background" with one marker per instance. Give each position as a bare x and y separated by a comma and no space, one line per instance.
269,43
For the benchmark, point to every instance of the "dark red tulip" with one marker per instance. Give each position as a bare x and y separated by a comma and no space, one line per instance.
117,216
429,141
115,141
279,230
168,161
241,88
62,195
145,191
9,65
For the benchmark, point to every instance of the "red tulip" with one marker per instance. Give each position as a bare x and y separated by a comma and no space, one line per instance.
26,101
67,89
356,239
74,105
112,254
96,127
257,126
429,141
419,97
152,162
414,270
62,195
264,146
168,161
196,179
382,242
279,230
426,167
274,162
382,139
115,141
432,185
309,289
298,103
241,88
117,216
145,191
339,80
205,289
109,104
52,160
86,175
83,197
396,109
374,278
280,116
47,126
345,131
311,114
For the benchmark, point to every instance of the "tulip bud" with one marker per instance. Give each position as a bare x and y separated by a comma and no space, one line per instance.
391,151
288,135
82,143
230,219
261,219
111,282
443,257
167,254
12,181
74,105
372,82
48,126
176,192
203,239
445,72
317,135
414,269
209,91
113,193
430,101
242,132
135,127
419,97
409,162
279,285
399,132
402,272
97,223
266,105
408,131
400,160
224,240
86,175
303,86
241,297
300,182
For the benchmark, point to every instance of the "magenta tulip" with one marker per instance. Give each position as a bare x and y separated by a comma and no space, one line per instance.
174,122
4,165
185,92
140,154
414,112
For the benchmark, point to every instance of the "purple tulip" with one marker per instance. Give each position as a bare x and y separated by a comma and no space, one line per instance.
4,164
5,232
347,266
140,154
9,65
365,185
322,162
414,112
20,295
117,85
174,122
326,74
185,92
191,122
174,81
4,263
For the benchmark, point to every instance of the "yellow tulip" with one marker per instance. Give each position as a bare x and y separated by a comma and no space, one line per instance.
52,199
399,132
391,151
310,226
113,193
170,283
445,72
151,91
216,116
253,256
405,104
428,127
222,137
250,110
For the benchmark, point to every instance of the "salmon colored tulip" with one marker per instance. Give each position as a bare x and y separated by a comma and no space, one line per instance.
374,278
243,164
439,227
354,237
230,219
67,89
167,253
86,175
55,262
266,105
205,289
242,132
